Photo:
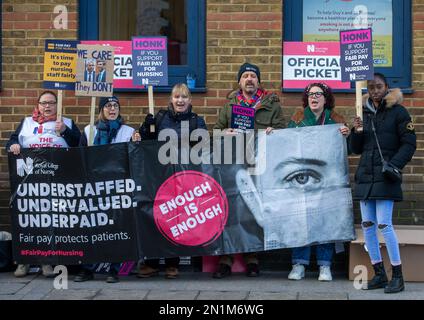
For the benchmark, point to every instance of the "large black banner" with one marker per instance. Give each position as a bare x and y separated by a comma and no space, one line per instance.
158,199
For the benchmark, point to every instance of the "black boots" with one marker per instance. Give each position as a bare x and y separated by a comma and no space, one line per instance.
396,284
380,278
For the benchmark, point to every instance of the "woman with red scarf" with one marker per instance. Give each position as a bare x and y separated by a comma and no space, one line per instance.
43,130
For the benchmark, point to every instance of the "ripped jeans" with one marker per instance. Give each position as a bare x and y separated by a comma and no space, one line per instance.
377,214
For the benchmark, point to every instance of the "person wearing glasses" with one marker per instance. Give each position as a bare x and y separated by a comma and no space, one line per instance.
109,128
43,130
318,109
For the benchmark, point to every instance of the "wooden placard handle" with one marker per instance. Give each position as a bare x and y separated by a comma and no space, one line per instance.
92,113
151,105
59,108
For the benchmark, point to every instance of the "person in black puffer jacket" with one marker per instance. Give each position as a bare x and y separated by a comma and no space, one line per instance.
179,110
394,129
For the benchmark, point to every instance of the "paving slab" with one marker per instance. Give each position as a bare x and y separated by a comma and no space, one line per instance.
11,288
172,295
323,296
121,294
260,295
71,294
223,295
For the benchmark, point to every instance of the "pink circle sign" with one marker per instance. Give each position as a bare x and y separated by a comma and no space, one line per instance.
191,209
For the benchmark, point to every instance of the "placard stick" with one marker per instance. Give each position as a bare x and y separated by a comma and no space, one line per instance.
359,85
59,108
151,106
92,112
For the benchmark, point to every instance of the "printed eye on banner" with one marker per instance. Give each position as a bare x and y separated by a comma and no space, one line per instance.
191,209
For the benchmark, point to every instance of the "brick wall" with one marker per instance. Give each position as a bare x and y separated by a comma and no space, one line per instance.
237,31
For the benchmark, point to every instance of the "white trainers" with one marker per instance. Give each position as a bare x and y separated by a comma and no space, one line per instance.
298,272
21,270
325,273
47,271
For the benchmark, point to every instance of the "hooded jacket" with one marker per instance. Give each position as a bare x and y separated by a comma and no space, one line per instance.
267,112
397,139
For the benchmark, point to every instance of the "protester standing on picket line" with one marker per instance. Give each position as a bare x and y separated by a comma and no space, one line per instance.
179,110
267,117
387,122
109,128
318,109
40,130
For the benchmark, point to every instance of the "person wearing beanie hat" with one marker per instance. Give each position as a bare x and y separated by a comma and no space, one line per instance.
109,128
267,117
104,100
245,67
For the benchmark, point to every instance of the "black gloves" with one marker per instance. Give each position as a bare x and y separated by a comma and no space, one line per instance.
145,128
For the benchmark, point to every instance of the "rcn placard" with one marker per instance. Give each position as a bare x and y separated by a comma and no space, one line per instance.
242,118
306,62
94,71
60,61
356,55
150,61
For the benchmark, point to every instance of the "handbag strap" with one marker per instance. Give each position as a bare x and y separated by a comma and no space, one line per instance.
376,140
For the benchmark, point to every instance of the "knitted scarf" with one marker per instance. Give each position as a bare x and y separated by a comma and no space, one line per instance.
253,102
310,119
107,131
38,117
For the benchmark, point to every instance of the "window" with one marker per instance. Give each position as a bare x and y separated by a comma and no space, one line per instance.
183,22
394,61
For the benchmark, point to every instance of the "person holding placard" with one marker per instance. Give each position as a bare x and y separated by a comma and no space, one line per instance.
43,130
318,109
250,96
109,128
386,140
179,110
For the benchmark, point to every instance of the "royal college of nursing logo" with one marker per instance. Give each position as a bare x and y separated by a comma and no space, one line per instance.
23,167
27,167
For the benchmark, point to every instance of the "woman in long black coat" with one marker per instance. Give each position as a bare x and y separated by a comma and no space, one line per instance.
391,122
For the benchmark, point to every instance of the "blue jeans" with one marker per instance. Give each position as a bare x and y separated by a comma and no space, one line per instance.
324,253
378,214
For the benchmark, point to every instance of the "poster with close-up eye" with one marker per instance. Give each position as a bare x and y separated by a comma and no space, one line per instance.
299,196
303,197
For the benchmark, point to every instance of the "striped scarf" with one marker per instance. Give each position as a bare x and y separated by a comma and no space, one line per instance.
251,103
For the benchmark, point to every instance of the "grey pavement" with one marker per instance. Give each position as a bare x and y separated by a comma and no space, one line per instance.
270,285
